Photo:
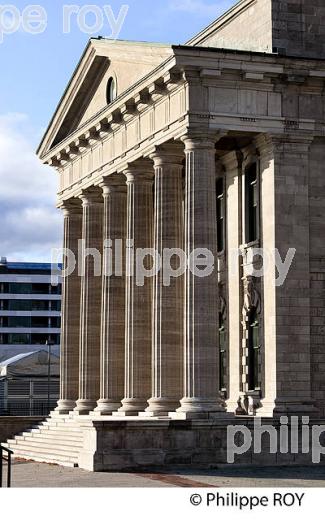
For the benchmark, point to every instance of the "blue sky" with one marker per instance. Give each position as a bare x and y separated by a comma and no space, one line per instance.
34,72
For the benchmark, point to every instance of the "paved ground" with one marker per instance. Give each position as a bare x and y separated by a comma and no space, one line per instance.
31,474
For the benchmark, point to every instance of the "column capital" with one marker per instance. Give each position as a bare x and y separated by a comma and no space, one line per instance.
202,139
273,143
70,207
141,171
113,183
232,160
90,197
168,153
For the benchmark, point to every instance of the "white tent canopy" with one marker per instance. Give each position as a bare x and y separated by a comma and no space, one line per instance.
31,364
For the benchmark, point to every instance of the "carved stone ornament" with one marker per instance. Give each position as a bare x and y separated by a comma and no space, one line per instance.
252,297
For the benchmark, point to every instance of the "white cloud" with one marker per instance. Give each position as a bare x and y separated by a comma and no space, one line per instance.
30,223
199,7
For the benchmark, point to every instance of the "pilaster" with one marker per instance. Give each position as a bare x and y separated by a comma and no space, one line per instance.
232,163
285,227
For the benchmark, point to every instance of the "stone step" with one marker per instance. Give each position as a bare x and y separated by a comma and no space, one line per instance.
36,453
47,445
50,439
60,428
70,462
10,441
57,419
56,424
57,440
54,415
50,436
65,426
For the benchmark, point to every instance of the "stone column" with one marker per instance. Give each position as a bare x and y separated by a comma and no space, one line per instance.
69,357
167,355
90,306
285,210
113,296
138,297
233,164
201,284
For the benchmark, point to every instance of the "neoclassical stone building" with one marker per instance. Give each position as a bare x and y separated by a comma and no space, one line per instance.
218,144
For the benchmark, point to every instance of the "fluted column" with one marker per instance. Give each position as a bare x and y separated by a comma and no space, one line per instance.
201,284
138,297
167,348
69,357
113,296
90,306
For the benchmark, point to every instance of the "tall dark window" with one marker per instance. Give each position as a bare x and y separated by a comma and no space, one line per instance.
252,204
220,215
254,351
222,353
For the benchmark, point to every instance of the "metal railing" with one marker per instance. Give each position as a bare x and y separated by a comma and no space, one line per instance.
25,409
8,460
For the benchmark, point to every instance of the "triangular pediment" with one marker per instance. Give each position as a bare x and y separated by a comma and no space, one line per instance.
86,94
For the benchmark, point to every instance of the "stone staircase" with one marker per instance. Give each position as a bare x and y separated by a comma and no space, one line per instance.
58,440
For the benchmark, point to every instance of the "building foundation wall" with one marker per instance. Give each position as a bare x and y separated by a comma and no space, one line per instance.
137,445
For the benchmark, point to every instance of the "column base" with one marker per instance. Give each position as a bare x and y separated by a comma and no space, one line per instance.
196,408
84,407
159,407
131,407
235,407
249,403
153,414
64,407
106,407
204,416
288,407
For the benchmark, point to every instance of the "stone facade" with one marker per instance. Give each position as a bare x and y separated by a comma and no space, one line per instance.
216,150
291,27
247,26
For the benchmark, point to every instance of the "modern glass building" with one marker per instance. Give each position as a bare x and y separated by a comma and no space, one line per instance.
30,308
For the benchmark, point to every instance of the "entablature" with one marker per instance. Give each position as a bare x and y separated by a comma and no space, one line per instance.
220,90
